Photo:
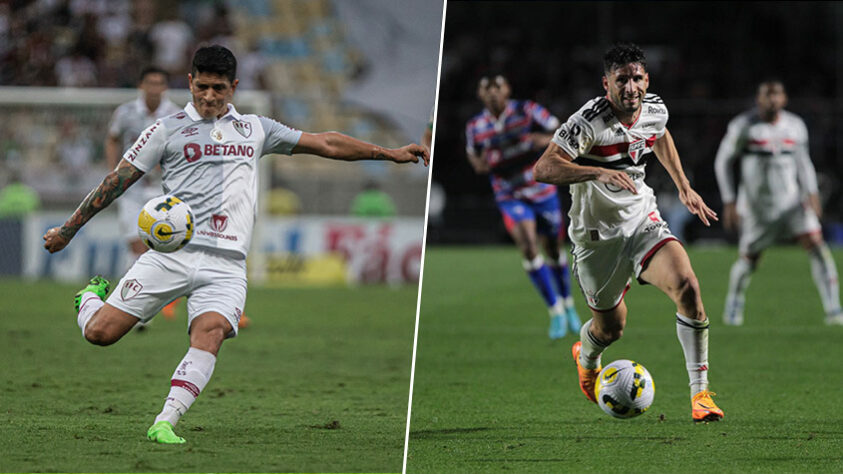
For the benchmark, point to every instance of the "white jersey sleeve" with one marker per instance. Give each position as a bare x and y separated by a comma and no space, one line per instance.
148,149
576,136
729,151
805,172
280,138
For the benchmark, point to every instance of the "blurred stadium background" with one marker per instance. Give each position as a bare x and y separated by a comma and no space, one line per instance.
706,72
366,68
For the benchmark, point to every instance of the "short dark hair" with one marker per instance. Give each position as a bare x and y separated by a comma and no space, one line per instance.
621,54
215,59
771,81
493,77
152,69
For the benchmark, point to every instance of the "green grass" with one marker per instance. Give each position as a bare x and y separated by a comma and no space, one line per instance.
492,393
312,357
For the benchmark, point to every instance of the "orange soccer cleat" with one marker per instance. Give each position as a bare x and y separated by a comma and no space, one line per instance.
588,377
703,407
244,322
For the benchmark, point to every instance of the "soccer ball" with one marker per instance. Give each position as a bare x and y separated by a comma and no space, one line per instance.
165,224
625,389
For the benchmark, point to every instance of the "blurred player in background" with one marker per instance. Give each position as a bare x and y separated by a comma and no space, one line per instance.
127,123
601,152
209,156
505,141
777,197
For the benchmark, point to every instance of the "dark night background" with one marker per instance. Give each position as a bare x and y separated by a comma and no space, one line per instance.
704,59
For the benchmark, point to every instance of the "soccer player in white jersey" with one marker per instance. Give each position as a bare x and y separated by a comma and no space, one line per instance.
616,228
776,199
209,156
127,123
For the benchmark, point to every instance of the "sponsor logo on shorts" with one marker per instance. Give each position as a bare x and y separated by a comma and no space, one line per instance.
130,289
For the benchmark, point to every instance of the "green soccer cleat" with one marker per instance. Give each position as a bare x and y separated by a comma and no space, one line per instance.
98,285
162,432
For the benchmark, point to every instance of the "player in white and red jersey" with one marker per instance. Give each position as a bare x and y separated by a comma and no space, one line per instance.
777,197
616,228
504,141
209,156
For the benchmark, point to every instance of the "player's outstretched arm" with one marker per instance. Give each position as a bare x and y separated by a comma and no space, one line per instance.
342,147
665,150
557,167
112,186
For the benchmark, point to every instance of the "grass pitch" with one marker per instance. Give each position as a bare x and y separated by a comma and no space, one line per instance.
318,383
493,393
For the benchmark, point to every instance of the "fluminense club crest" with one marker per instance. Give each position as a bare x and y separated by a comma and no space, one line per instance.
243,128
130,289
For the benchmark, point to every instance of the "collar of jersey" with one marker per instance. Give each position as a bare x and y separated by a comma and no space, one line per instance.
194,115
506,112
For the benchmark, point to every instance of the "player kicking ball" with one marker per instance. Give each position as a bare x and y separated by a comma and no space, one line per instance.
209,154
601,152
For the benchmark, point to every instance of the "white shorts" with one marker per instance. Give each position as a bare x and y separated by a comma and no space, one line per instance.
211,282
129,205
605,268
756,234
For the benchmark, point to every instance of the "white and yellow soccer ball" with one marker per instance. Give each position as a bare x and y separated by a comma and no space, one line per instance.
625,389
166,224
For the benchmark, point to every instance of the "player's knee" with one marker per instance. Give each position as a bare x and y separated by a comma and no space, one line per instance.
98,334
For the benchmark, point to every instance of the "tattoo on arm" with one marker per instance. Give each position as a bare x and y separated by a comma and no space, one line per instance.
112,186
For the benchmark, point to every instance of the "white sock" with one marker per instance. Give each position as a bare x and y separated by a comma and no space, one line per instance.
738,282
187,382
89,305
591,349
693,336
557,308
824,271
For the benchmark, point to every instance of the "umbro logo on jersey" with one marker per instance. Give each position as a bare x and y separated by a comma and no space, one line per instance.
243,128
190,131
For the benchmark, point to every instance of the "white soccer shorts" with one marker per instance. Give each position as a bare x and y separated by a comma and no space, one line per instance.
604,269
211,282
756,235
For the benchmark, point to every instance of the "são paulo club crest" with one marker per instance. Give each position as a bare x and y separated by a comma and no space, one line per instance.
219,222
243,128
635,149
